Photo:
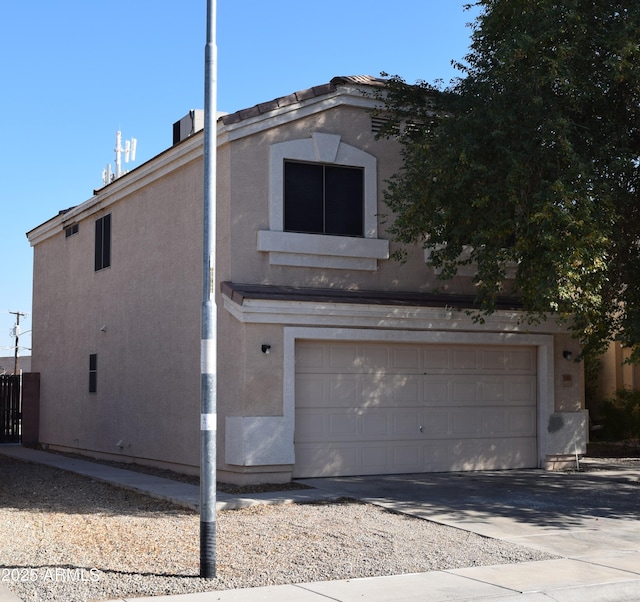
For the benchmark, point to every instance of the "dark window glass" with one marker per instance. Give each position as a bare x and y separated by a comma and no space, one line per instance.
71,230
303,197
93,373
343,201
103,243
323,199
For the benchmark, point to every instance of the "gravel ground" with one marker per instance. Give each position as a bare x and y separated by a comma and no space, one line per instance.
67,538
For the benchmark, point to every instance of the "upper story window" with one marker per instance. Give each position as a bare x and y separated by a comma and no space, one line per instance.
323,206
103,243
323,199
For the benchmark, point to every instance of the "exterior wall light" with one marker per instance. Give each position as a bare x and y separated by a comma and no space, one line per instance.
266,349
567,355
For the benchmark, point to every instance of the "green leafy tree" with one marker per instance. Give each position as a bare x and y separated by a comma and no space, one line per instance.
531,158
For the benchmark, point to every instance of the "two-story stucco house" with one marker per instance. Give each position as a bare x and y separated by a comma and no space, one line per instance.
333,358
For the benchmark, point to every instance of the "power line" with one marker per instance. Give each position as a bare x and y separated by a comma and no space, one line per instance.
16,333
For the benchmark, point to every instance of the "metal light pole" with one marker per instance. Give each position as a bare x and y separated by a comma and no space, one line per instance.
208,418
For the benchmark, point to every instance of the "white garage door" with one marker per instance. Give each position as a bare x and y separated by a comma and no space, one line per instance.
378,408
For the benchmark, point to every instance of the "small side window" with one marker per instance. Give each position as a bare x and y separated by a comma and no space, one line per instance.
71,230
93,373
103,243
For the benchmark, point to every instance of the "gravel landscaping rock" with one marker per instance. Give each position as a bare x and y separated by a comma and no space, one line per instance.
68,538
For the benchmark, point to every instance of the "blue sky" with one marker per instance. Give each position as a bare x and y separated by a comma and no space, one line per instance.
76,71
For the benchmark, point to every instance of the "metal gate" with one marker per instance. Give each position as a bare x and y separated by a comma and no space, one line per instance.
10,409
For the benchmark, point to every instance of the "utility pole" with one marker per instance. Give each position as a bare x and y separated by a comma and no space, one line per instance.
208,367
16,333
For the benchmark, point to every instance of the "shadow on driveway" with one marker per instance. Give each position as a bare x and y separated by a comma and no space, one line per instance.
544,499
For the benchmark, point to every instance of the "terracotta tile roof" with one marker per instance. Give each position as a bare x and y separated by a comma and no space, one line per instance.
283,101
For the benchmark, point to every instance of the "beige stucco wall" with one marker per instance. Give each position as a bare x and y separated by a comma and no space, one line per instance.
569,375
249,171
142,318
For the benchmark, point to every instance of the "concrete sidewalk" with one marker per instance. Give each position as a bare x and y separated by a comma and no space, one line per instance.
182,494
600,556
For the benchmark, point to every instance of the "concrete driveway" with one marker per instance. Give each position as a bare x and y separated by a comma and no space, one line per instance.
582,514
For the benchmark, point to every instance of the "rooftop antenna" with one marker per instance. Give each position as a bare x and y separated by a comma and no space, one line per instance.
129,151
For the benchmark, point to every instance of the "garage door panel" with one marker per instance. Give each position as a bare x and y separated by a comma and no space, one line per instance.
358,425
509,422
312,426
342,390
337,425
328,358
309,356
523,360
366,459
434,358
465,391
484,422
407,457
310,390
375,424
508,453
508,390
317,427
315,390
353,357
479,454
326,461
493,390
436,456
436,423
372,357
465,423
522,391
358,358
464,359
343,426
407,389
406,423
479,390
342,357
477,360
494,423
494,360
436,390
375,459
522,422
369,408
406,357
390,390
473,454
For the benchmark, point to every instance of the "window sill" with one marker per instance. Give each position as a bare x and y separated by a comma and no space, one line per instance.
322,251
